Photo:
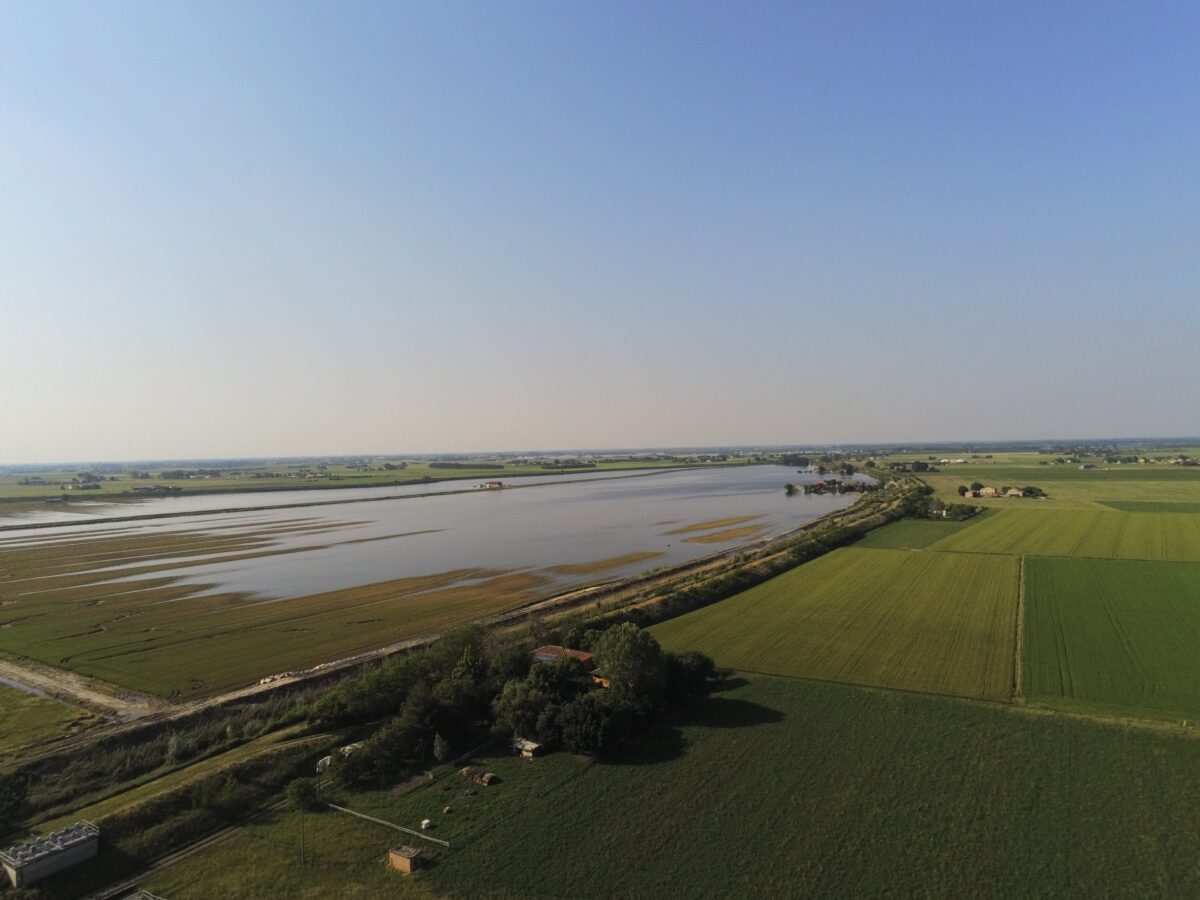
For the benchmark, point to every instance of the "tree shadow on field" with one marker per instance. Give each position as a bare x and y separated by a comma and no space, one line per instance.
660,744
730,712
666,741
728,683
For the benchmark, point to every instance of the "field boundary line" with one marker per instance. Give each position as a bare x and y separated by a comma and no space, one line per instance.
1018,692
424,837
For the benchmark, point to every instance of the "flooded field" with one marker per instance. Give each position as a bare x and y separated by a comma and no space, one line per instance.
187,605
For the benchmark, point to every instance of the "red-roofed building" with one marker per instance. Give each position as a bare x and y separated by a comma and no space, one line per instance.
552,653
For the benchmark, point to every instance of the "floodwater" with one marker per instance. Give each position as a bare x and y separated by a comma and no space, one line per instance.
535,524
86,510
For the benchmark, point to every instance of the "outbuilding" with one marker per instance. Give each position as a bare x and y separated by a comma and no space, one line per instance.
526,748
404,858
39,857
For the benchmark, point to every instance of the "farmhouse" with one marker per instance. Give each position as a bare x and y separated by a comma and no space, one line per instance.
989,491
552,653
1014,492
404,858
33,860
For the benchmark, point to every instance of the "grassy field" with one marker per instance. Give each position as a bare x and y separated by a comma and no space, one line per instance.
915,534
1090,533
26,719
1114,636
1069,487
787,788
940,622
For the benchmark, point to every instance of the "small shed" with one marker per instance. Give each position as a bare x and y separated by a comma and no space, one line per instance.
526,748
1014,492
404,858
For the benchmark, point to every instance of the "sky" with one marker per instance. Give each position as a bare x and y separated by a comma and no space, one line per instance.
232,229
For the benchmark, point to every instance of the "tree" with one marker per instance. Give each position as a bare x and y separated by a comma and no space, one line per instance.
441,748
962,490
589,724
633,662
977,485
304,793
689,674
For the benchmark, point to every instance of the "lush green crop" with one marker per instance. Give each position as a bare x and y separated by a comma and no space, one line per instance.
1114,635
914,534
1091,533
941,622
785,788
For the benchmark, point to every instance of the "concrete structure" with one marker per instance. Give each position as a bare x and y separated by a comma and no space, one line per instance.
404,858
33,860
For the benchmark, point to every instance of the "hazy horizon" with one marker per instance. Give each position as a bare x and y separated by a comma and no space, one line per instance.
340,230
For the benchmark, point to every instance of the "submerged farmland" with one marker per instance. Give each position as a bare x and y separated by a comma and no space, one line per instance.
186,606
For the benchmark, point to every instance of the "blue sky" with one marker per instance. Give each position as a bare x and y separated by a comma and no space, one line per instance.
290,228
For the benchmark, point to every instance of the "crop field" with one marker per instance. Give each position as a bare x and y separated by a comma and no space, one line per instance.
939,622
1069,487
1152,506
785,788
26,719
1114,636
915,534
1091,533
59,604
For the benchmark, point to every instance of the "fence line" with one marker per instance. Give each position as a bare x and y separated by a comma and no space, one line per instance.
423,837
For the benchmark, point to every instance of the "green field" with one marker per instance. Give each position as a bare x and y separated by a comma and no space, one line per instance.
1092,533
915,534
1151,506
786,788
1114,636
26,719
940,622
1069,487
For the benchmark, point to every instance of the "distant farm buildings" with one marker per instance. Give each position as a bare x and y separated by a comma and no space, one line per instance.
490,486
35,859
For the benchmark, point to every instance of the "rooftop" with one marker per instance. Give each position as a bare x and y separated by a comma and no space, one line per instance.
554,653
406,851
48,844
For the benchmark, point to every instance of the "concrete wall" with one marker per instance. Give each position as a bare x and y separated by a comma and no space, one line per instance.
56,862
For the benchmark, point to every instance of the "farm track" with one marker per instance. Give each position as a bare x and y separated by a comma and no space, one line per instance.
1018,693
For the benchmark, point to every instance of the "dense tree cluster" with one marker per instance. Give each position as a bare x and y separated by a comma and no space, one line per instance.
472,684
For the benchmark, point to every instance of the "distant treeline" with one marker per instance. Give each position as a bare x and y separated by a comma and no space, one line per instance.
460,465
